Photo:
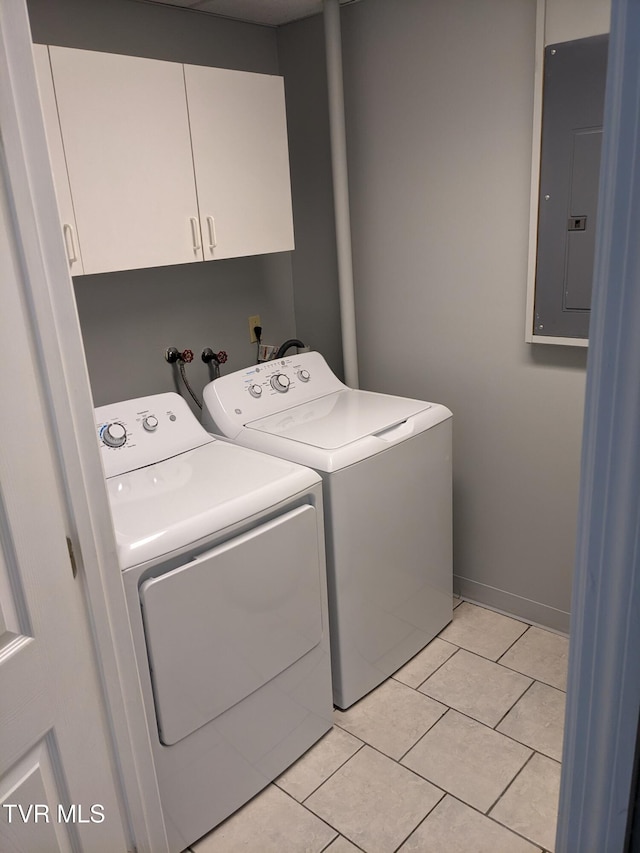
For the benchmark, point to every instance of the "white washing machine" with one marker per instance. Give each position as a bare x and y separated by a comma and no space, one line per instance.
386,467
223,562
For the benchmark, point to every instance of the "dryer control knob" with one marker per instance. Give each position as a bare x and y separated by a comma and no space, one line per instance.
255,390
280,382
150,423
114,435
304,375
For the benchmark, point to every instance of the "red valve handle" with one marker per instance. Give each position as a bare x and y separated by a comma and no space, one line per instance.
187,355
221,357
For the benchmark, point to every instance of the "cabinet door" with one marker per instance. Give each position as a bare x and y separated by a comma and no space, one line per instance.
241,160
56,155
126,139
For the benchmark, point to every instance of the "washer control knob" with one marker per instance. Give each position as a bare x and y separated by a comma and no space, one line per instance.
304,375
114,435
150,423
280,381
255,390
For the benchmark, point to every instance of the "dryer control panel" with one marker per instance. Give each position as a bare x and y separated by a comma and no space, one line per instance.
140,432
234,400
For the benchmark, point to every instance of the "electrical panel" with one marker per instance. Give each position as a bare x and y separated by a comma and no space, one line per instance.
572,118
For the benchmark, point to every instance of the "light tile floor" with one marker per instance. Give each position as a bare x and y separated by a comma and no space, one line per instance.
459,751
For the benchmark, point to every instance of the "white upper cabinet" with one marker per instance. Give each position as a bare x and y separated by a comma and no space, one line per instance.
126,139
241,161
131,138
56,155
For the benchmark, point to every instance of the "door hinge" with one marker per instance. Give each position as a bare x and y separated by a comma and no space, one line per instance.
72,558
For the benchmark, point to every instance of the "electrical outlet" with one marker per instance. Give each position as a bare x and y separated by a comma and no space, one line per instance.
253,322
266,352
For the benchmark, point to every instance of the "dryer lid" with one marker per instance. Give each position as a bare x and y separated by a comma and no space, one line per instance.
339,419
166,506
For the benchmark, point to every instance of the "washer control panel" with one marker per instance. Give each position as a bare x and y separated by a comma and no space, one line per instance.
136,433
121,432
265,389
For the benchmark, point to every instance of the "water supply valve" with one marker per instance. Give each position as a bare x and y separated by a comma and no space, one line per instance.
173,355
208,355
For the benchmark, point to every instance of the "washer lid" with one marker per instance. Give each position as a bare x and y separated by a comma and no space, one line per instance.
173,503
338,419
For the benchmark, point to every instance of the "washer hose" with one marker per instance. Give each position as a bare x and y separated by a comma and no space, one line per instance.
174,356
187,385
292,342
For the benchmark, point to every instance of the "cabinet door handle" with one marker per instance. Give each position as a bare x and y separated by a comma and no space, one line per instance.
213,240
70,243
195,233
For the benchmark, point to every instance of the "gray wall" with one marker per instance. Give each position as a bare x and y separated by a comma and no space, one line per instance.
128,319
575,19
439,119
315,274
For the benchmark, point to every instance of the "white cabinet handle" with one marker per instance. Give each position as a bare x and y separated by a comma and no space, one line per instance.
195,233
213,240
70,243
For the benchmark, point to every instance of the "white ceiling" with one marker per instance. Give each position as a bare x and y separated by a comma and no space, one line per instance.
270,12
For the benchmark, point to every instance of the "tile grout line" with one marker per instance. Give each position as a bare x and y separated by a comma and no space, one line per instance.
396,761
517,640
498,660
510,783
494,804
514,703
530,840
503,734
486,657
499,612
509,710
423,696
423,735
333,773
473,720
340,835
437,669
541,680
324,820
528,745
408,769
420,822
316,816
440,718
442,640
504,615
496,821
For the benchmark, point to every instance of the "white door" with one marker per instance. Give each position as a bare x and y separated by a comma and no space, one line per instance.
57,789
241,160
126,139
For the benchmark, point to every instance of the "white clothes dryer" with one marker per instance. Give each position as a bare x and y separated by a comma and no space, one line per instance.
223,563
385,463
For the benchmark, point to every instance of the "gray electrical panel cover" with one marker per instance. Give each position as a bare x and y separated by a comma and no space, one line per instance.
572,115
